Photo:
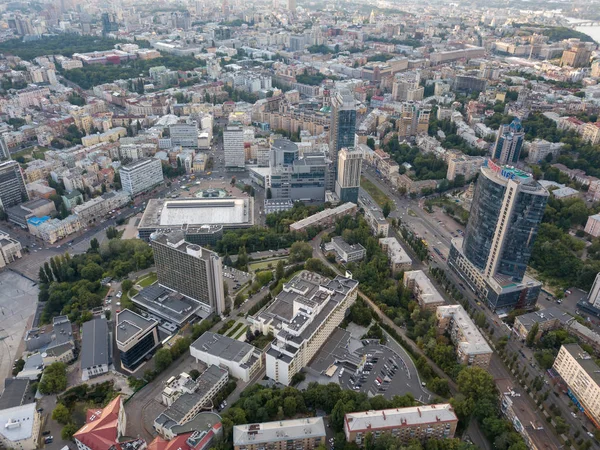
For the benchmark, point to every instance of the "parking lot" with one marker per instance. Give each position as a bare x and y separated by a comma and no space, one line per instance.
234,278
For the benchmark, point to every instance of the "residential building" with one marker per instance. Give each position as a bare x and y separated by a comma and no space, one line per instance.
136,337
413,120
581,374
12,185
20,421
593,297
467,166
344,251
507,208
325,218
104,429
471,347
406,87
10,249
414,422
509,142
188,404
175,387
539,150
423,289
233,147
591,133
95,351
343,123
141,175
348,174
72,198
592,226
201,219
95,209
373,214
192,440
399,259
578,56
190,270
299,434
302,317
241,359
184,134
547,319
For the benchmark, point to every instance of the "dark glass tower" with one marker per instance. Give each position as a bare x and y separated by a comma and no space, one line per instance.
343,123
507,148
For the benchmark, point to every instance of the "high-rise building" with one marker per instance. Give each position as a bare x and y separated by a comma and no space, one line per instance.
141,175
4,151
348,174
189,269
343,123
109,23
184,134
406,87
578,56
233,147
593,297
12,185
506,212
508,144
414,120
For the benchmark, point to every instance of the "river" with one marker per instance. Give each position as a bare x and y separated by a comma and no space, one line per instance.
593,32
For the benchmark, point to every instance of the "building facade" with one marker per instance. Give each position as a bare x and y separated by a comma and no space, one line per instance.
348,174
299,434
343,123
422,289
136,337
141,175
233,147
509,142
10,249
12,185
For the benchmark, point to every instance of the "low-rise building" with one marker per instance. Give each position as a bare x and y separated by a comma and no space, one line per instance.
95,353
95,209
33,208
423,289
185,407
547,319
414,422
299,434
373,214
137,337
344,251
592,226
10,249
241,359
19,420
467,166
471,347
399,259
325,218
581,374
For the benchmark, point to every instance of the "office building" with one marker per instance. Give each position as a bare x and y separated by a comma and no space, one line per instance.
141,175
345,252
242,360
104,429
399,259
187,405
10,249
4,151
299,434
348,174
12,185
325,218
137,337
507,208
414,422
581,374
471,347
343,123
233,147
291,5
192,439
190,270
201,219
422,289
184,134
507,148
95,351
302,317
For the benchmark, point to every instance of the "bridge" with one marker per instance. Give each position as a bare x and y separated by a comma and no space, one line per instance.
587,23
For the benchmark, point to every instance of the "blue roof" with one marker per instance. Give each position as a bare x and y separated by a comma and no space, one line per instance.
36,221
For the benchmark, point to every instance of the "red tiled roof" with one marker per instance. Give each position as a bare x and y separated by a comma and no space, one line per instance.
101,429
179,442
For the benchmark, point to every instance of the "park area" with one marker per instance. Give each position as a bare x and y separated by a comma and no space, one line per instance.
374,191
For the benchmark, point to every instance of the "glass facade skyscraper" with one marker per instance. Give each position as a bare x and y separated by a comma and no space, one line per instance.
343,123
509,141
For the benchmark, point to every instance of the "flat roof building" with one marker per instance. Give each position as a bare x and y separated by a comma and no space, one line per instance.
168,305
95,352
581,374
189,269
141,175
414,422
136,337
301,434
302,317
10,249
344,251
241,359
20,427
399,259
547,319
423,289
471,347
197,217
325,218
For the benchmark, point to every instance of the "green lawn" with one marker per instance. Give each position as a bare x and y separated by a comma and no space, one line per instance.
147,280
260,265
234,329
373,191
240,333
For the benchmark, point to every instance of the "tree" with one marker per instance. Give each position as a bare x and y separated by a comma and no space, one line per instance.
387,209
371,143
279,270
126,285
54,379
68,431
163,359
18,366
92,272
42,276
194,374
300,251
94,245
112,232
61,414
531,336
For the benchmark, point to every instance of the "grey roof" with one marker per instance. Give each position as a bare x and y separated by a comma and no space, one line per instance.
94,343
222,346
130,324
584,361
165,303
14,393
544,315
281,430
202,421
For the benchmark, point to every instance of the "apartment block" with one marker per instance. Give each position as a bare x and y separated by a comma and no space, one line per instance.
298,434
471,347
414,422
399,259
12,185
141,175
325,218
467,166
423,289
302,317
582,376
